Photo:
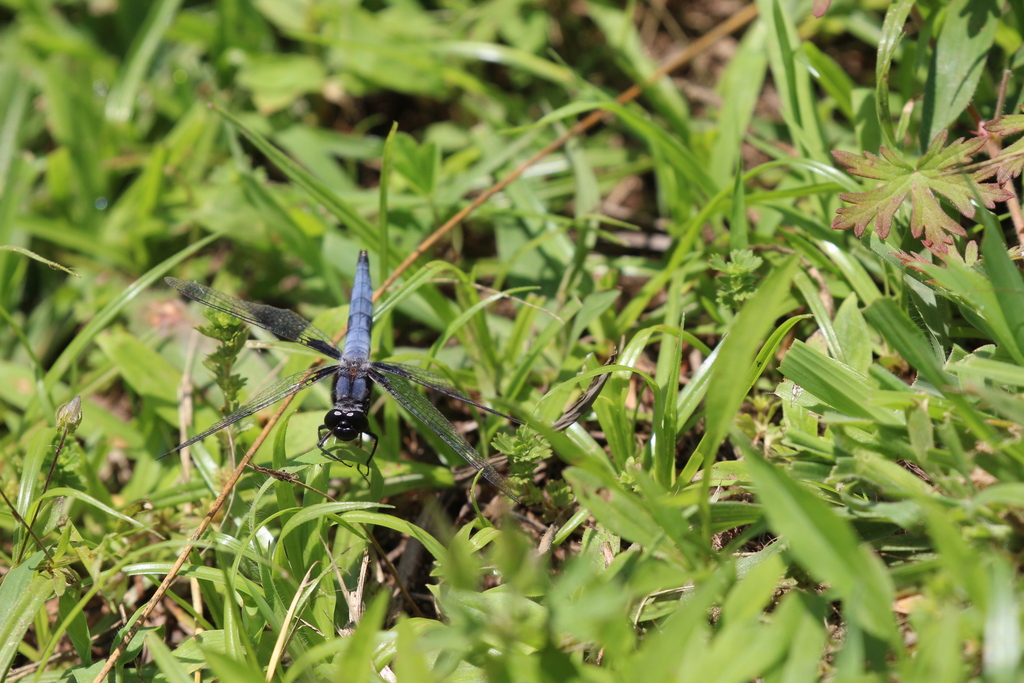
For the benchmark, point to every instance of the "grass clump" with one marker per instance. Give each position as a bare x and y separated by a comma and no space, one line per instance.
805,461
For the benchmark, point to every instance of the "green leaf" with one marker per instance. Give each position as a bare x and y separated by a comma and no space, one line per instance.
908,340
341,209
621,511
1002,654
892,34
172,669
798,101
730,378
419,164
739,87
739,278
826,546
125,91
357,660
150,375
277,80
754,592
624,39
663,422
958,61
852,334
12,116
832,77
37,257
22,594
232,668
497,53
979,301
521,613
834,383
1008,289
114,308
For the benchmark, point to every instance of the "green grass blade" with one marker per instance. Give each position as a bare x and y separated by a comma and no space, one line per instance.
826,546
11,119
169,666
125,91
339,208
663,448
22,594
908,340
892,34
1008,291
729,380
791,77
834,383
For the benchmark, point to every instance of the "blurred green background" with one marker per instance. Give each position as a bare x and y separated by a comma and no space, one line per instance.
807,464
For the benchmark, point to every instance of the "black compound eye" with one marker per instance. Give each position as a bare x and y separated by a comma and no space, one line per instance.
333,418
345,425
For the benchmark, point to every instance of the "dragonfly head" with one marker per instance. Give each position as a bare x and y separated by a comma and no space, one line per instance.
345,424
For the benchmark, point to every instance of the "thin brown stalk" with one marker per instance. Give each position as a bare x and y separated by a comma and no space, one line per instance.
734,23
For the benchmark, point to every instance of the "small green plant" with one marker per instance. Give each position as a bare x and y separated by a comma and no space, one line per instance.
525,449
739,277
231,335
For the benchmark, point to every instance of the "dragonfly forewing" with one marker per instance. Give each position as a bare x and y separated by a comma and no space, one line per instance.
435,383
402,391
287,325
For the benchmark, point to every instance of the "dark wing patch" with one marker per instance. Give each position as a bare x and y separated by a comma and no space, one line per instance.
582,405
287,325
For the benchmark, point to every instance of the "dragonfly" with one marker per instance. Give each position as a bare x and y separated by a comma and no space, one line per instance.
353,374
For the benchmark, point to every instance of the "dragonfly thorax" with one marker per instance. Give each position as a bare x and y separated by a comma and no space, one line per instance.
345,425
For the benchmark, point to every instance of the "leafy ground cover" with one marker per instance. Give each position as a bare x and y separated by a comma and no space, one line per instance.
800,252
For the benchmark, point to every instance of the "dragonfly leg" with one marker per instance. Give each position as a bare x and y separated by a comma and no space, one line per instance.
359,466
325,434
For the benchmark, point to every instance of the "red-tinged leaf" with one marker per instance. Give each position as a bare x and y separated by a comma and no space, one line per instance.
993,192
958,153
915,261
928,217
1011,162
1011,124
968,260
940,171
878,205
873,166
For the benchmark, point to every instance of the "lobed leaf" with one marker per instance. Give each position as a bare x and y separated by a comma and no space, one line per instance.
1010,160
942,171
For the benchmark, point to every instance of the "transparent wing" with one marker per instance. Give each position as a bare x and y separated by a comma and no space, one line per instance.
435,382
286,324
269,396
405,393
